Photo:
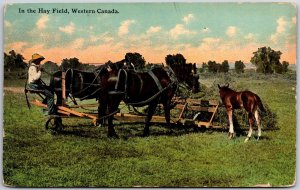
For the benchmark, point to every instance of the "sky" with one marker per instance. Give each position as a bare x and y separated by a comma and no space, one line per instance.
199,31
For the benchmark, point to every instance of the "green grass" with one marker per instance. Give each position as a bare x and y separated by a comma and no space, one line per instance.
82,155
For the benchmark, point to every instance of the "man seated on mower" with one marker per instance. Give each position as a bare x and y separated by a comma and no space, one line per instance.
35,83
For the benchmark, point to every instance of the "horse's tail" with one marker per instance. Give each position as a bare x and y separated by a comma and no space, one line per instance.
259,103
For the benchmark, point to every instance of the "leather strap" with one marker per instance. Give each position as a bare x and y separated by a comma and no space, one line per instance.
155,80
118,80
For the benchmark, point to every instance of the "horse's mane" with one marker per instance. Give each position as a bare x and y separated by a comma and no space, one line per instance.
227,89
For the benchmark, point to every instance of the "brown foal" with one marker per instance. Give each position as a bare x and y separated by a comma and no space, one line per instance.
238,100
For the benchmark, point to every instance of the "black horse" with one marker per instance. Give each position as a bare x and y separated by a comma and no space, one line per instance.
79,84
187,73
139,89
83,85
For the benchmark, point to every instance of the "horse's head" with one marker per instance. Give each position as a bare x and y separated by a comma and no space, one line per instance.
187,73
115,67
112,70
224,90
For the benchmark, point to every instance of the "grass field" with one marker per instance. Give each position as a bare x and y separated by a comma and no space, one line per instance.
82,155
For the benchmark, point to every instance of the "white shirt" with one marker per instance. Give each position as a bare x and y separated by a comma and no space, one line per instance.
33,73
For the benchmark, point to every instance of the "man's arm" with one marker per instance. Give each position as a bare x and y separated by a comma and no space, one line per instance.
34,74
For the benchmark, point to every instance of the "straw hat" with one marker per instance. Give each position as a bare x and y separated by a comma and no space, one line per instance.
36,57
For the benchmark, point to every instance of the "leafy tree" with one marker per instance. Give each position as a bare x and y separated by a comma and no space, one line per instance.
285,66
65,65
170,59
212,66
266,60
239,67
224,67
177,59
88,67
8,62
278,68
14,61
50,66
72,63
136,59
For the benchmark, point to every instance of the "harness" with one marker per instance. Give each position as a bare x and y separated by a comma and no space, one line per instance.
96,78
118,80
155,80
170,73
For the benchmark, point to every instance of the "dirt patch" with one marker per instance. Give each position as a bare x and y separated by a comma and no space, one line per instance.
14,89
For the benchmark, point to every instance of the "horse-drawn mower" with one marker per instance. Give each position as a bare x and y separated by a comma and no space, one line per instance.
182,114
187,112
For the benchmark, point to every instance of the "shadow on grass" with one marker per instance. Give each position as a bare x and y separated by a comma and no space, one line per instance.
127,130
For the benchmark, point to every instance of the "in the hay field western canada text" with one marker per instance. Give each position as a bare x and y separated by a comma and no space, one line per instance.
68,11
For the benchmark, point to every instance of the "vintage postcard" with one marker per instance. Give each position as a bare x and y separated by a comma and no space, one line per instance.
149,95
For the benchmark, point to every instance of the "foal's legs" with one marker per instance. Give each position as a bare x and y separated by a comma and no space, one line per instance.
151,110
258,124
251,123
231,130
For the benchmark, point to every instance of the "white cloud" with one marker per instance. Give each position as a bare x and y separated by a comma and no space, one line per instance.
69,29
124,28
179,30
153,29
188,18
274,38
7,24
211,42
231,31
104,37
281,25
76,44
41,23
250,36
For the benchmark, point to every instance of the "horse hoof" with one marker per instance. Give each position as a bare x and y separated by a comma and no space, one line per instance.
170,132
230,135
257,138
246,140
145,135
114,136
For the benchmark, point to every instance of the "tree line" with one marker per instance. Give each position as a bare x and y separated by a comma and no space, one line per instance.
214,67
265,59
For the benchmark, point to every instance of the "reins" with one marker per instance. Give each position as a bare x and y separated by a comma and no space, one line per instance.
90,84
